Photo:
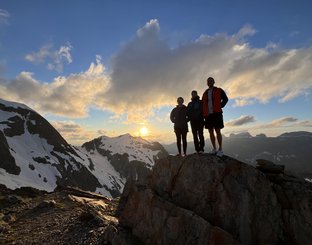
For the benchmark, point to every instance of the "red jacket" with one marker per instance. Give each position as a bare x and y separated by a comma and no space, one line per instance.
219,100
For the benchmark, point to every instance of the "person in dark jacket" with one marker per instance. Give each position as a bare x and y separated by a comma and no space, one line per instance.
180,118
214,99
195,114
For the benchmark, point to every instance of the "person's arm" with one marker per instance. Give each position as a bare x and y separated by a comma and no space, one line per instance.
224,98
189,109
204,103
187,115
201,109
172,115
202,98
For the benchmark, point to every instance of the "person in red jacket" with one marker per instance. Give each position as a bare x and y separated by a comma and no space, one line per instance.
214,99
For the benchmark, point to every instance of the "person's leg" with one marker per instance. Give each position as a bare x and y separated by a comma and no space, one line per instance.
184,142
178,135
209,124
219,138
218,126
212,138
201,137
195,136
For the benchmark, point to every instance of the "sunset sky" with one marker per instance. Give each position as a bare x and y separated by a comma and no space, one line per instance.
112,67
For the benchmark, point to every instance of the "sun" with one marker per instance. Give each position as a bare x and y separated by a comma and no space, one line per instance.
143,131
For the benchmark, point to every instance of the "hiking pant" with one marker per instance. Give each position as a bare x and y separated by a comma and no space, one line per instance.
198,135
181,134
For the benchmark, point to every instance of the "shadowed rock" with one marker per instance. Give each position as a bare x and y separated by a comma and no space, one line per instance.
7,161
190,200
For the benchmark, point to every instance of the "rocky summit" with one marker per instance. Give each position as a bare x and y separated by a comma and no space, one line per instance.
204,199
198,199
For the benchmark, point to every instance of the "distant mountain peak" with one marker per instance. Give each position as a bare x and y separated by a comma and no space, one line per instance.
296,134
125,135
261,136
33,153
241,135
126,139
14,104
132,157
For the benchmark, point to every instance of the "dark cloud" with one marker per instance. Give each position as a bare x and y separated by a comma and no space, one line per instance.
283,121
241,121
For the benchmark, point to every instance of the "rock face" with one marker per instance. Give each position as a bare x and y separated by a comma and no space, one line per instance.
33,153
203,199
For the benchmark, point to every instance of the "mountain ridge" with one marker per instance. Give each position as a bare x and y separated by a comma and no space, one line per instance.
291,149
33,153
197,199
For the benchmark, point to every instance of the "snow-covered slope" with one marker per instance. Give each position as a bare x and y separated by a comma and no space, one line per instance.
132,157
33,153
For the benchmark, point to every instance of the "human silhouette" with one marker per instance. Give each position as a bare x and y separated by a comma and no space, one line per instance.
214,99
179,117
195,114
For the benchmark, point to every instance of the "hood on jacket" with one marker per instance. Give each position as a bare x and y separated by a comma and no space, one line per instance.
196,98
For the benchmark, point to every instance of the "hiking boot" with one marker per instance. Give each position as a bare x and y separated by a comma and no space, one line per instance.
220,153
213,151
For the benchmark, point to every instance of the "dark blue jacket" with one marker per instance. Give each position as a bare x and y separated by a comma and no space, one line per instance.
195,110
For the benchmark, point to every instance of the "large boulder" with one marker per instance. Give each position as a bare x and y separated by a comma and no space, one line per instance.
204,199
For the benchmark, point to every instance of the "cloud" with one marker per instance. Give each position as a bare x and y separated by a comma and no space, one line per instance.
70,96
73,132
306,123
55,58
262,74
243,102
241,120
101,132
150,29
147,74
275,127
283,121
246,30
4,16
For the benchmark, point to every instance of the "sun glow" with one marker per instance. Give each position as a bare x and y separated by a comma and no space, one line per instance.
143,131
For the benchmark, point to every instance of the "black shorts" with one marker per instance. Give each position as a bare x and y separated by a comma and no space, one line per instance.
180,130
214,120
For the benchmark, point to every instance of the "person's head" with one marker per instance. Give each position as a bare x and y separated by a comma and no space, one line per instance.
210,82
194,94
180,101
